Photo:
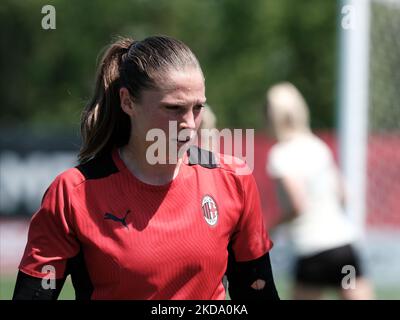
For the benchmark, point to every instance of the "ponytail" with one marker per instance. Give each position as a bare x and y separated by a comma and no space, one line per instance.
103,123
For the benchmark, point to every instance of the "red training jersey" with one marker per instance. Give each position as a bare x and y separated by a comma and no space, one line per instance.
124,239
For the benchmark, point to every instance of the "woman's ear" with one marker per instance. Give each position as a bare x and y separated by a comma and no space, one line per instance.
127,104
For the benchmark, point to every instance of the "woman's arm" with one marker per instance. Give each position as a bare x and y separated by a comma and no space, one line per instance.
291,198
341,189
251,280
32,288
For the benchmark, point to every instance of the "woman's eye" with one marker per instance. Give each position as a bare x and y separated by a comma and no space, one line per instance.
198,107
173,107
176,109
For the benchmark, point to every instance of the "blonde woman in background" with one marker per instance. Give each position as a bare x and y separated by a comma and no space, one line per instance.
311,197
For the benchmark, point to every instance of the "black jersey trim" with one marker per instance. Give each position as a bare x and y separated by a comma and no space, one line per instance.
202,157
99,167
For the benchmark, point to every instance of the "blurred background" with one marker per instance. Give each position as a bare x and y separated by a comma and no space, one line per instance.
344,60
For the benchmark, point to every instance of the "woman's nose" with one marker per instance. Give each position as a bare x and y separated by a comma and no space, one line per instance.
188,121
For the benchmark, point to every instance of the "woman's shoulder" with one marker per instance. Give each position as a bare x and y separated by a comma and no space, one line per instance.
70,177
96,168
63,185
219,162
236,165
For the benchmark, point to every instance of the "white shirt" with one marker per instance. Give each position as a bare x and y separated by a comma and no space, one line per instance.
322,225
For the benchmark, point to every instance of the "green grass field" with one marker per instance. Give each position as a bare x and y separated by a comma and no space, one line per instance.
7,286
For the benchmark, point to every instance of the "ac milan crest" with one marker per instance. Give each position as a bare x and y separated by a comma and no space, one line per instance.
210,210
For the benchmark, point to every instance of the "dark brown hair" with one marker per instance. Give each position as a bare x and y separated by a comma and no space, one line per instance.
135,65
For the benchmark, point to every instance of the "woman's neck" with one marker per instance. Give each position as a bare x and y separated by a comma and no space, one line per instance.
157,174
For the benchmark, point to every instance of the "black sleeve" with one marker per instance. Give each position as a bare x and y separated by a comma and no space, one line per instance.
241,276
30,288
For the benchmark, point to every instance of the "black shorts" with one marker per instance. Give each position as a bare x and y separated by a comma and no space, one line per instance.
325,268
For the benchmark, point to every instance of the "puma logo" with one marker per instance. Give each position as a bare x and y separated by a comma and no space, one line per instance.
110,216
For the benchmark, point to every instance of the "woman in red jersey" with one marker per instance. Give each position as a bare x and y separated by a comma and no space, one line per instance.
143,216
